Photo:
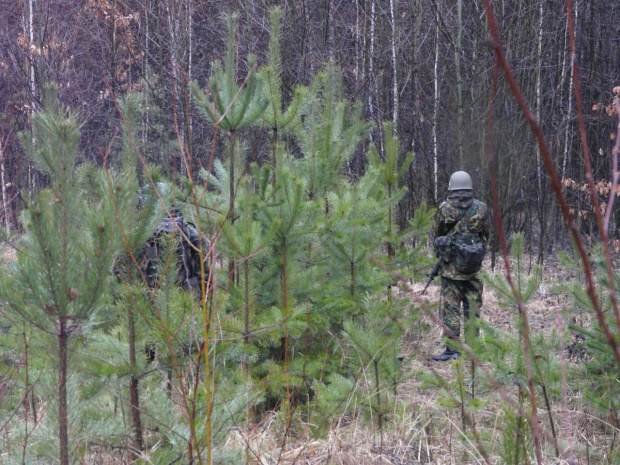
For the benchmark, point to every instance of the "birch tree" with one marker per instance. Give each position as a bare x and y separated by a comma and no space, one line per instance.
393,47
5,201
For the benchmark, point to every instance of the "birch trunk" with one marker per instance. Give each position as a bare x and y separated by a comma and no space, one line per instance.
114,49
459,84
147,39
173,32
567,118
187,96
364,52
568,115
540,195
393,16
436,111
539,98
33,89
552,218
5,200
371,60
358,53
31,40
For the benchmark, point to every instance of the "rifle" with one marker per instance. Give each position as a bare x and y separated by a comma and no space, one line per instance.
432,275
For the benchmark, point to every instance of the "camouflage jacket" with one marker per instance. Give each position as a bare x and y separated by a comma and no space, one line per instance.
189,245
446,220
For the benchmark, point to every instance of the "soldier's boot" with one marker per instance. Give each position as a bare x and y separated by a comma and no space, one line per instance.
448,354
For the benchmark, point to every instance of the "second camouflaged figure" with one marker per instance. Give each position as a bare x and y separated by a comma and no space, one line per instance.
462,233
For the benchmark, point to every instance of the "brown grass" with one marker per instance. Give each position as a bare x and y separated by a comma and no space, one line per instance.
423,431
7,254
426,432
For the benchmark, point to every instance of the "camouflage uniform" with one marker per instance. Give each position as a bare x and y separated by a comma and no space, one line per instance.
189,244
458,288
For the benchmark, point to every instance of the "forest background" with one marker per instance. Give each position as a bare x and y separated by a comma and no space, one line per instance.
149,104
426,67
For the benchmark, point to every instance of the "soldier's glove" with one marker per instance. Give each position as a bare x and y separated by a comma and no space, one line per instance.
443,248
443,242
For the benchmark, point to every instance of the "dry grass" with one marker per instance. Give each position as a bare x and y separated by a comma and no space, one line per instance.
7,254
345,445
426,432
423,431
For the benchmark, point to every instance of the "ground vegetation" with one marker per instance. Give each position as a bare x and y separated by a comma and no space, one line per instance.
310,144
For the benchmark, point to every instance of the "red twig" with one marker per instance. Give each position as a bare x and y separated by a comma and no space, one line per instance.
590,181
555,182
504,250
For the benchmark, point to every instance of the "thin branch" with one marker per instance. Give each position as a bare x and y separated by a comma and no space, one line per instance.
591,186
508,274
555,182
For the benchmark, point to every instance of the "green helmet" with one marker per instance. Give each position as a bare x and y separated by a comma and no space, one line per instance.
460,180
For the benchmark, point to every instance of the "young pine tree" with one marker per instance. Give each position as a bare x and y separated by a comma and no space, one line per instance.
136,221
328,131
596,369
278,120
525,361
231,106
59,281
390,173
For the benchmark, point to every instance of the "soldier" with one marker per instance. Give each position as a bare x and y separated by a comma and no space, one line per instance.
188,249
462,232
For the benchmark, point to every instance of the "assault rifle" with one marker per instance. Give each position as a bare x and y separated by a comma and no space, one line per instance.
432,275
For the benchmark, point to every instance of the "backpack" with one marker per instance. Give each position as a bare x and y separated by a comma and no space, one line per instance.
188,252
467,249
467,255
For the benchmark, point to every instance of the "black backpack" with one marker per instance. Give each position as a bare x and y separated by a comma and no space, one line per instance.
467,249
188,242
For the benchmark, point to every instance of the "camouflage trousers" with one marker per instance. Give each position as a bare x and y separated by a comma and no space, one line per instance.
453,294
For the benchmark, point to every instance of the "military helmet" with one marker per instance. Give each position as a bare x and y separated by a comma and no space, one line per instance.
460,180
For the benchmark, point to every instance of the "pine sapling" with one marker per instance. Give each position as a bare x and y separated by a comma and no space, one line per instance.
275,117
62,272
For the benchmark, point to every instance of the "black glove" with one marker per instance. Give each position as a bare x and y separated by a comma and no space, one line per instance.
443,242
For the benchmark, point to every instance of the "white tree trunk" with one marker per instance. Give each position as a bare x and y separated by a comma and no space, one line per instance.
33,85
173,23
358,52
190,34
33,89
147,40
459,84
567,118
436,111
393,17
539,97
371,60
5,200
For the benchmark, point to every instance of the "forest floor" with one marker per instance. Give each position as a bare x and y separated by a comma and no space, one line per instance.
428,429
428,425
